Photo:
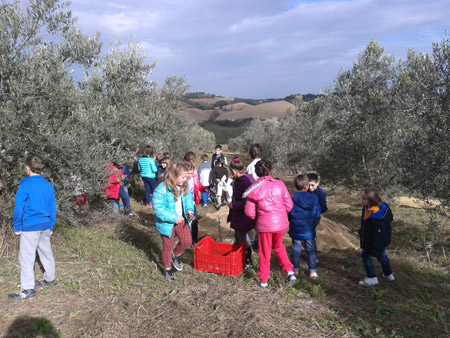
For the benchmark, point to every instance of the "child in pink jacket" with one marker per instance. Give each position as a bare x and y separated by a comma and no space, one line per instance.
268,201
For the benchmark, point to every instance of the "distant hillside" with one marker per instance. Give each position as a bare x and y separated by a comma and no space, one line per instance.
202,107
278,109
228,118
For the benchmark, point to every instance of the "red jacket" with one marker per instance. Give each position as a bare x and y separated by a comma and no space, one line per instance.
197,188
269,201
112,190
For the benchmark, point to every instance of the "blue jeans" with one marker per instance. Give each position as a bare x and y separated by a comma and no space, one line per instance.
114,204
150,186
205,197
310,247
368,264
123,194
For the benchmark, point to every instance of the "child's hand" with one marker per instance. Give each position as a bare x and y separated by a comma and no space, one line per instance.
179,220
190,214
18,233
230,205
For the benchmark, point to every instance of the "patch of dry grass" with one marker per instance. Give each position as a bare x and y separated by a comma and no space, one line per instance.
110,284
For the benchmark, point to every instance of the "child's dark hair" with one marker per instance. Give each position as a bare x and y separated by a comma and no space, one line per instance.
166,154
204,157
220,162
313,177
301,181
236,164
372,196
255,151
159,158
35,163
218,146
167,161
189,156
262,168
147,151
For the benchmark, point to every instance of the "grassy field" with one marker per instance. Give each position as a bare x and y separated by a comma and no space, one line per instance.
110,285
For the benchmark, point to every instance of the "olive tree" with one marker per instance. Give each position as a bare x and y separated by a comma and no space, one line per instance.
111,114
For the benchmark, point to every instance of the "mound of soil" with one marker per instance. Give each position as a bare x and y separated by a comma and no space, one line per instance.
330,235
411,202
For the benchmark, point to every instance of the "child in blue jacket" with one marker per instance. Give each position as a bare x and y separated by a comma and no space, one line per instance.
173,207
375,235
302,225
33,220
314,188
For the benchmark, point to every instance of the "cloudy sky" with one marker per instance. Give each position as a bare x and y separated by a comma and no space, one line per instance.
263,48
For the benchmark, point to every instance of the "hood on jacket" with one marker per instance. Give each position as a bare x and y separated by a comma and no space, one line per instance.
253,191
384,213
304,200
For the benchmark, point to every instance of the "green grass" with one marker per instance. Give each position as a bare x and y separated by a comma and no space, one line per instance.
418,302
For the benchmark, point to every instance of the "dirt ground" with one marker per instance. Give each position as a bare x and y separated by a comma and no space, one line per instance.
330,235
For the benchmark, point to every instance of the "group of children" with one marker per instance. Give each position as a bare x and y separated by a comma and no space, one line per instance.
257,202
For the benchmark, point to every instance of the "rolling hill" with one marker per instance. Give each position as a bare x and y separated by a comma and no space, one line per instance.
234,111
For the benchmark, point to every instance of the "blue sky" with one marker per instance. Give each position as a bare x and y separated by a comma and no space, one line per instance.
263,48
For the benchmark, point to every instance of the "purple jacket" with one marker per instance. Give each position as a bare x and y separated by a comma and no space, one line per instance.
237,217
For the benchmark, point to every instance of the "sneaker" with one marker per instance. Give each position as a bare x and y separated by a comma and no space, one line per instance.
313,275
205,205
217,206
369,281
390,277
291,278
22,295
43,282
131,214
264,286
168,275
177,263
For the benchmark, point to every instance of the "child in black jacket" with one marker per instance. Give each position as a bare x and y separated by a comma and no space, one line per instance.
375,235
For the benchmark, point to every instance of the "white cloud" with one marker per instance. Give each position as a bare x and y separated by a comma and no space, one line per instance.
157,51
255,41
129,21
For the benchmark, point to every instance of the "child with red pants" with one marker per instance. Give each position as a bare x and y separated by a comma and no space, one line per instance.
172,204
268,201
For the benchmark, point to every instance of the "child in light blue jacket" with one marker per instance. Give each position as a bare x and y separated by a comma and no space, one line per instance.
147,168
173,207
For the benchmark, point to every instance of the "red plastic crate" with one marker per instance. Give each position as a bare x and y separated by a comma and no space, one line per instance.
219,258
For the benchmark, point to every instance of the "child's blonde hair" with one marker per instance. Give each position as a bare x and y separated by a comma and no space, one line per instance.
170,177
